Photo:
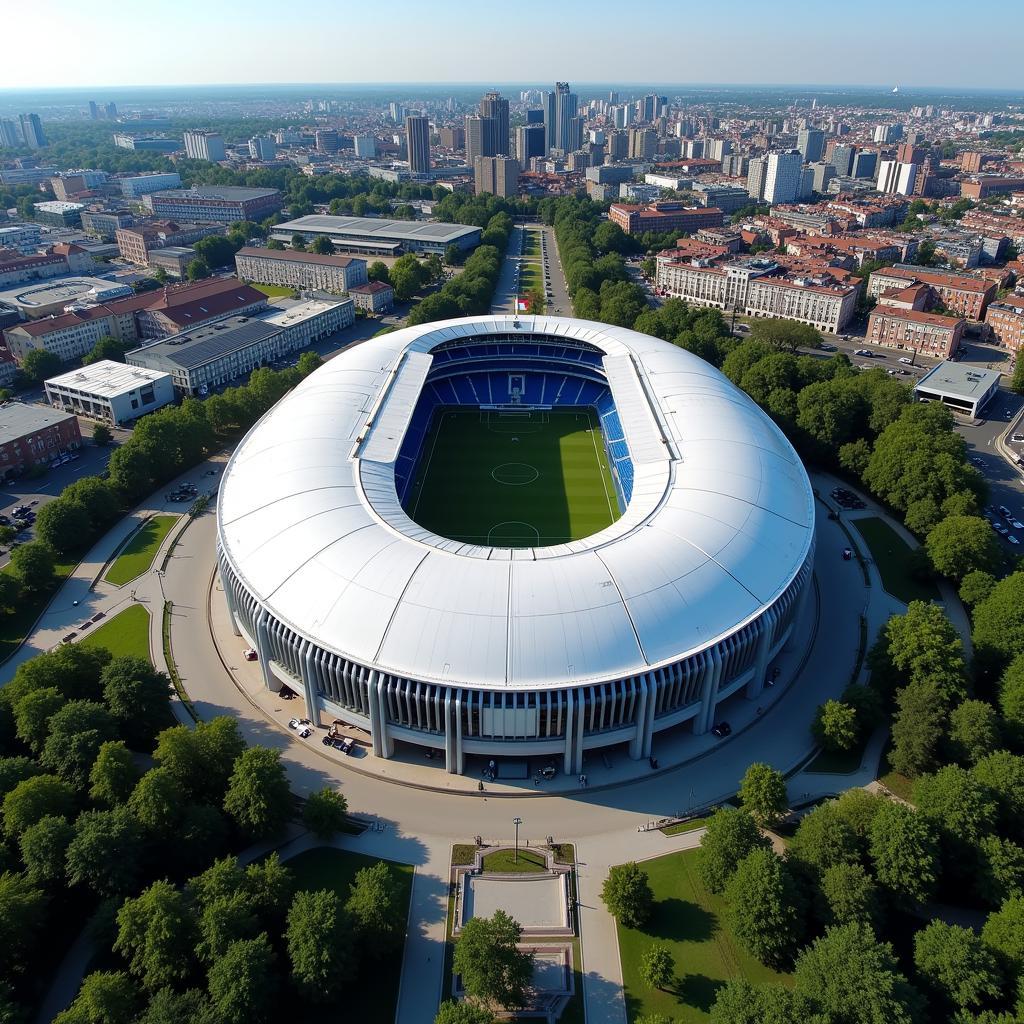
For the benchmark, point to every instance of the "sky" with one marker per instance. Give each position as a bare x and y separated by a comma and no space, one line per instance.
64,43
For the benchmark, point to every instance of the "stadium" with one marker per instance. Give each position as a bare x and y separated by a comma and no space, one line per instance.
516,538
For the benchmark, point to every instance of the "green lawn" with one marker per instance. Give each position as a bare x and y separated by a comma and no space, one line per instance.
126,633
679,827
893,558
530,862
690,921
137,555
523,480
273,291
531,243
327,868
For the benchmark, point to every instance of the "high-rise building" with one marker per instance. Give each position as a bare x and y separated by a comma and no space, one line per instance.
494,106
365,146
618,144
842,159
529,142
535,115
560,113
865,164
782,177
453,136
204,146
396,112
755,177
480,139
886,133
717,149
32,131
498,175
648,108
327,140
810,142
895,178
111,110
10,136
621,115
417,135
94,111
643,143
822,173
261,147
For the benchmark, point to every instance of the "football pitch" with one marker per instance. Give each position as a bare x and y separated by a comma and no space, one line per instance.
517,480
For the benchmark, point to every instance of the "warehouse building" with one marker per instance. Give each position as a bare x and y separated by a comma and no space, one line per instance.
110,391
963,388
375,236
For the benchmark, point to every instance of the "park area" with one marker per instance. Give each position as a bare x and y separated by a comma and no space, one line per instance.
525,479
125,633
689,921
138,554
895,561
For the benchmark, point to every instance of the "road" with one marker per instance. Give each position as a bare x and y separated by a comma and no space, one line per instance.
507,289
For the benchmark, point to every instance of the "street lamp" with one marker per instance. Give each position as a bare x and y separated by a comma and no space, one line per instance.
517,821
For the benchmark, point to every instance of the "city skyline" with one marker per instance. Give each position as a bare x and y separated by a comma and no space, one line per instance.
746,51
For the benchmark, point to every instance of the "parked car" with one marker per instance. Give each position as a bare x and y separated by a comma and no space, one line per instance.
1017,524
1004,511
302,726
1012,539
905,361
250,655
68,638
722,730
1017,437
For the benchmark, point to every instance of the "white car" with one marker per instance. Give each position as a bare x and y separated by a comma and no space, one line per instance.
1016,524
303,726
1012,539
906,361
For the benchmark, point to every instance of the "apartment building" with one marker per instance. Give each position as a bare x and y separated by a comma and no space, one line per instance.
498,175
32,435
136,243
374,296
203,203
967,296
299,270
1005,320
914,329
204,146
663,217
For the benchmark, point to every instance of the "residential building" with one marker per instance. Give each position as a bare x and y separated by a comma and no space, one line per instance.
886,133
366,146
33,435
967,296
417,135
822,173
25,175
495,106
663,217
262,148
182,307
374,236
205,357
110,391
643,143
755,177
865,164
104,224
989,185
32,131
23,237
299,270
140,184
59,214
728,198
136,243
480,137
914,329
374,296
68,184
964,388
498,175
1005,320
810,142
204,146
782,177
214,203
842,159
173,260
895,178
10,134
69,336
453,137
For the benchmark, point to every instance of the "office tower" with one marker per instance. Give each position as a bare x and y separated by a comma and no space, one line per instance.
806,189
560,109
886,133
535,115
94,111
396,111
262,148
596,137
453,137
782,177
895,178
204,146
327,140
575,139
32,131
529,142
10,136
755,177
810,142
643,143
498,175
613,97
649,108
365,146
618,145
822,173
111,109
496,108
480,141
717,149
417,136
865,164
842,159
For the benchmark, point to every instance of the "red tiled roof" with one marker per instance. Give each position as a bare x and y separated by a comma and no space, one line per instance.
372,288
290,256
916,316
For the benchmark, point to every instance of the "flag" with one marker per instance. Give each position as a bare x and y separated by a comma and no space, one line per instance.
522,306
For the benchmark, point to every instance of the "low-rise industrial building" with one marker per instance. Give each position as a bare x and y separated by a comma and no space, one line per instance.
376,236
914,329
963,388
299,270
374,297
33,435
221,352
110,391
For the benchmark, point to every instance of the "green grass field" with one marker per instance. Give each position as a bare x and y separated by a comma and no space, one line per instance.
524,480
530,862
690,922
137,555
273,291
893,558
126,633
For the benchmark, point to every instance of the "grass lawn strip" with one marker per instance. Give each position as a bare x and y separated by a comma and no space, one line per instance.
329,868
892,555
691,923
530,862
273,291
691,825
125,633
138,554
16,626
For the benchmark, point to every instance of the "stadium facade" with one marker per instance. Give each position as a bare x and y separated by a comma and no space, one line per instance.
649,624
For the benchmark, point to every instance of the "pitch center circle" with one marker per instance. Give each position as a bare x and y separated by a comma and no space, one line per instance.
515,474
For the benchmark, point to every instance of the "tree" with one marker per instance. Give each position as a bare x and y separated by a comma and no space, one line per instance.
202,758
32,565
242,981
10,588
763,793
107,348
170,1007
1003,774
452,256
657,967
32,714
322,245
76,733
999,873
627,894
905,852
786,335
39,364
739,1002
963,544
858,808
730,836
139,698
22,916
450,1012
106,997
848,896
101,435
954,800
378,271
320,945
258,797
975,587
325,812
835,726
34,799
824,839
197,269
918,728
157,801
274,243
763,907
847,960
308,362
974,730
492,969
1017,380
62,525
958,970
155,935
14,770
44,848
377,908
298,242
105,852
998,625
113,774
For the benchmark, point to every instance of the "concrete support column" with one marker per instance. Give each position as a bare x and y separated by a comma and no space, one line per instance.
580,716
709,695
376,725
636,744
309,681
229,596
459,757
387,744
570,730
652,706
449,733
764,650
263,650
801,609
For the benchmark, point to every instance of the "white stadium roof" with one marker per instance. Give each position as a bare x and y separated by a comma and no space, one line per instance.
720,522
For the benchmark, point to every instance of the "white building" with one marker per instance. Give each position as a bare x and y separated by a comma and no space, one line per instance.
895,178
262,148
110,391
782,177
299,270
670,181
365,146
23,237
140,185
204,146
